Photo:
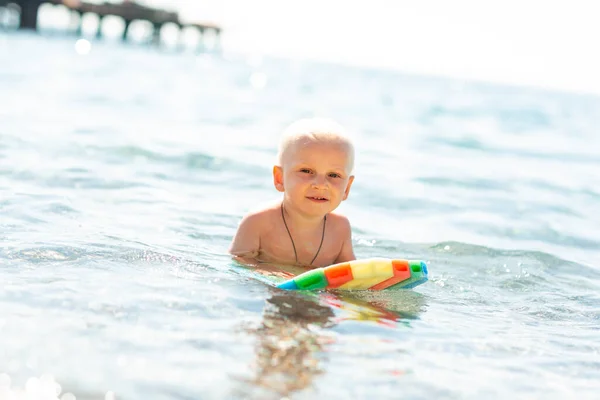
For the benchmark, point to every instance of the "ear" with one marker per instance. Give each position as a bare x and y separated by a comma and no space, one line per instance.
278,178
347,191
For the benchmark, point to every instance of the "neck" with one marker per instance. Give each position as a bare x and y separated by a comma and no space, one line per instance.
300,220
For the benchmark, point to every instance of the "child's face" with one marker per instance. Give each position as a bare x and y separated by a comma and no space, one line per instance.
315,176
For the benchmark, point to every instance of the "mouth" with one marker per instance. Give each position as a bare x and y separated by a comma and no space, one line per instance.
317,199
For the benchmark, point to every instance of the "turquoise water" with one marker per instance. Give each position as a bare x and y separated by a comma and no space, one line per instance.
123,175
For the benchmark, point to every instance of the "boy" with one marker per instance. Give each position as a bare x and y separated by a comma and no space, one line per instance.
314,173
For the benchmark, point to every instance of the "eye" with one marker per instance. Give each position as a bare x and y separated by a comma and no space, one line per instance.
335,175
305,170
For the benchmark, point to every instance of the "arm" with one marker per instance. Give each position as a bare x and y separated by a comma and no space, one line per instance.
245,245
347,251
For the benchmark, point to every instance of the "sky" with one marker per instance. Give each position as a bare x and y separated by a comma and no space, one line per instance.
550,43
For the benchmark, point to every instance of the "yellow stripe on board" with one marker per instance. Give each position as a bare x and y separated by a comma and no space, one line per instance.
368,273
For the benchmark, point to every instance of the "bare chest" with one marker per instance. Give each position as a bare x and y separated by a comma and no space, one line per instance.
279,246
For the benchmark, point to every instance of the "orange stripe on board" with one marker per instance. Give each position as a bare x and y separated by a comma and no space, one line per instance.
338,274
401,273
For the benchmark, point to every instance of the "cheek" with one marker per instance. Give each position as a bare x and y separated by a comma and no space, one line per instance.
340,185
300,179
294,181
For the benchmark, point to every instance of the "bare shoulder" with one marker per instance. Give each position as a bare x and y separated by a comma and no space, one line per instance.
247,239
257,221
262,215
340,223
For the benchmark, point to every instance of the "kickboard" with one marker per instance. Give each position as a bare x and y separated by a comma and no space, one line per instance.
363,274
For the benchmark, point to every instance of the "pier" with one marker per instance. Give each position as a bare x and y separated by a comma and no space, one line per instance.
129,11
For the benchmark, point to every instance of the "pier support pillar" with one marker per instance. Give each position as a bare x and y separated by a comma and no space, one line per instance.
29,14
77,18
200,47
156,33
217,43
99,30
126,29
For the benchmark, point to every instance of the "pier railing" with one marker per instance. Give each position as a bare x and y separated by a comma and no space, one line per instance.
129,11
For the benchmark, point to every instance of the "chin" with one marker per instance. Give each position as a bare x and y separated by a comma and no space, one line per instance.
319,209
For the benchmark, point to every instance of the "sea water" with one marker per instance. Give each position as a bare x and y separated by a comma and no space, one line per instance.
125,169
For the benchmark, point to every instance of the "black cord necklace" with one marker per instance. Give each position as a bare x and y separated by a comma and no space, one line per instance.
294,246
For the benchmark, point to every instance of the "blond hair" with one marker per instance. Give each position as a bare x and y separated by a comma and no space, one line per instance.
315,130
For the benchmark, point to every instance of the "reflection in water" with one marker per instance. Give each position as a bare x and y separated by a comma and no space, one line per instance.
292,338
289,342
386,308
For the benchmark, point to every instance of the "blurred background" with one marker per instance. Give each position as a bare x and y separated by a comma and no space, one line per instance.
547,44
135,135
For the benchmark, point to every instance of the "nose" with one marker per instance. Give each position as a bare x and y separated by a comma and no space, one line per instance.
319,181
